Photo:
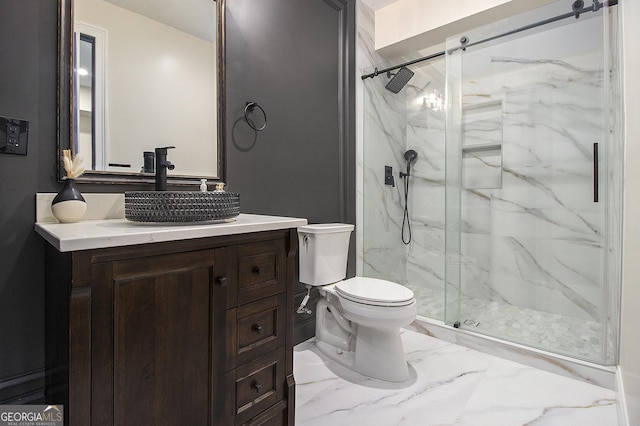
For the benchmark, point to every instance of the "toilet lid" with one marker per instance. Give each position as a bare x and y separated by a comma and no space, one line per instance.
373,291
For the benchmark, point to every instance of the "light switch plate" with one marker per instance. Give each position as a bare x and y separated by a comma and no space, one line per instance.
13,136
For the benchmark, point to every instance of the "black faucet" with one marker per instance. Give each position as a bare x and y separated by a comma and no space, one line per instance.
162,164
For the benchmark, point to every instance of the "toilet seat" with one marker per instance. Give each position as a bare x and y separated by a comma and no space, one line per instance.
375,292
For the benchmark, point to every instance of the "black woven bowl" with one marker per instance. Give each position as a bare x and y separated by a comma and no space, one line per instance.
180,206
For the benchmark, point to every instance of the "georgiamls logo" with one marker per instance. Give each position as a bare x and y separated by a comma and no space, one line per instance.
27,415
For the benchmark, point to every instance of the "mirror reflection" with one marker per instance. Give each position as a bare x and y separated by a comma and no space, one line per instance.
146,77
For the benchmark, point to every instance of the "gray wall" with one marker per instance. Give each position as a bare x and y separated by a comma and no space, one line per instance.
296,60
28,40
28,90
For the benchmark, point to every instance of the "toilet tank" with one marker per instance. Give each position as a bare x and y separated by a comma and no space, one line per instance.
323,252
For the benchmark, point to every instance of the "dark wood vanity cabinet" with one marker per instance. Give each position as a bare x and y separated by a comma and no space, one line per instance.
195,332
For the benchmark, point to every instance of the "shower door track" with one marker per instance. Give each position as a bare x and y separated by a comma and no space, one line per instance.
596,6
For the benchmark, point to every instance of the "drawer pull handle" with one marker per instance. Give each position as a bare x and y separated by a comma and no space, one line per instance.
257,386
258,270
222,281
258,328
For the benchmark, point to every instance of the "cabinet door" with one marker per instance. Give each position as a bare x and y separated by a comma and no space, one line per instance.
157,322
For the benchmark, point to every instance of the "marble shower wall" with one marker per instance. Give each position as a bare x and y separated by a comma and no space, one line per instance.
395,123
381,138
426,135
532,235
384,141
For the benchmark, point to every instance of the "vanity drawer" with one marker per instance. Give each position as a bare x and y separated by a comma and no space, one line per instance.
255,329
259,385
274,416
261,270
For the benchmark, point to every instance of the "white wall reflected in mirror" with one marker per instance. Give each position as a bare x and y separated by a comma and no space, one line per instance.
151,82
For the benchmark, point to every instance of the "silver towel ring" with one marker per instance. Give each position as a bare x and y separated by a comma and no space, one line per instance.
249,107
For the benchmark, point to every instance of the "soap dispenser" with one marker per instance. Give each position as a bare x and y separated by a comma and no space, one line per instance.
203,185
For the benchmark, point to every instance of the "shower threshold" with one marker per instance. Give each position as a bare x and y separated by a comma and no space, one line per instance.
585,371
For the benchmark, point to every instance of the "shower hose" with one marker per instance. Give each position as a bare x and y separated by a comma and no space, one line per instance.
406,223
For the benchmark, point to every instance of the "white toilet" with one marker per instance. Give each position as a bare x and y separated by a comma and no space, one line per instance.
357,320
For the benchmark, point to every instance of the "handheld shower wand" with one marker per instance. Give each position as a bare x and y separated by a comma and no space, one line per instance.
409,157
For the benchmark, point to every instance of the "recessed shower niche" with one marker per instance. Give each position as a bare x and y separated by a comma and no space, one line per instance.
482,145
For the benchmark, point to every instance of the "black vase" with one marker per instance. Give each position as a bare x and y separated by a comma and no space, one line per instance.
69,205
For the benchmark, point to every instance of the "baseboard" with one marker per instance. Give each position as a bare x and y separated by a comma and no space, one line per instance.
623,419
304,331
27,388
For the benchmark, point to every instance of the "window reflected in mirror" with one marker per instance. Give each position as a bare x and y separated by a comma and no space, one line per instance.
86,140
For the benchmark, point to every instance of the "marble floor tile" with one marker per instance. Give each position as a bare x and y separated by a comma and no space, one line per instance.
448,385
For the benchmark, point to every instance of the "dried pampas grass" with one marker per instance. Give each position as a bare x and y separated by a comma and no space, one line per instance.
72,165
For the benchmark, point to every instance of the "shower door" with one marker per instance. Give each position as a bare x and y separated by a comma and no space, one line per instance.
528,155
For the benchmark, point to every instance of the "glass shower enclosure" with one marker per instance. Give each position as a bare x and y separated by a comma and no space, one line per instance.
515,198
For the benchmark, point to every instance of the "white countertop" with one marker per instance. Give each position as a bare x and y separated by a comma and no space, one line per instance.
94,234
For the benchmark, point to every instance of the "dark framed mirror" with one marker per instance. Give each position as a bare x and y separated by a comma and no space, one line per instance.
135,75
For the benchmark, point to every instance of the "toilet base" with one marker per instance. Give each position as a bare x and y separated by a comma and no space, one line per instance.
378,354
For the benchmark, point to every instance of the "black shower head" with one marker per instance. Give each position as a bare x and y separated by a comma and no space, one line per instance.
409,156
399,79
